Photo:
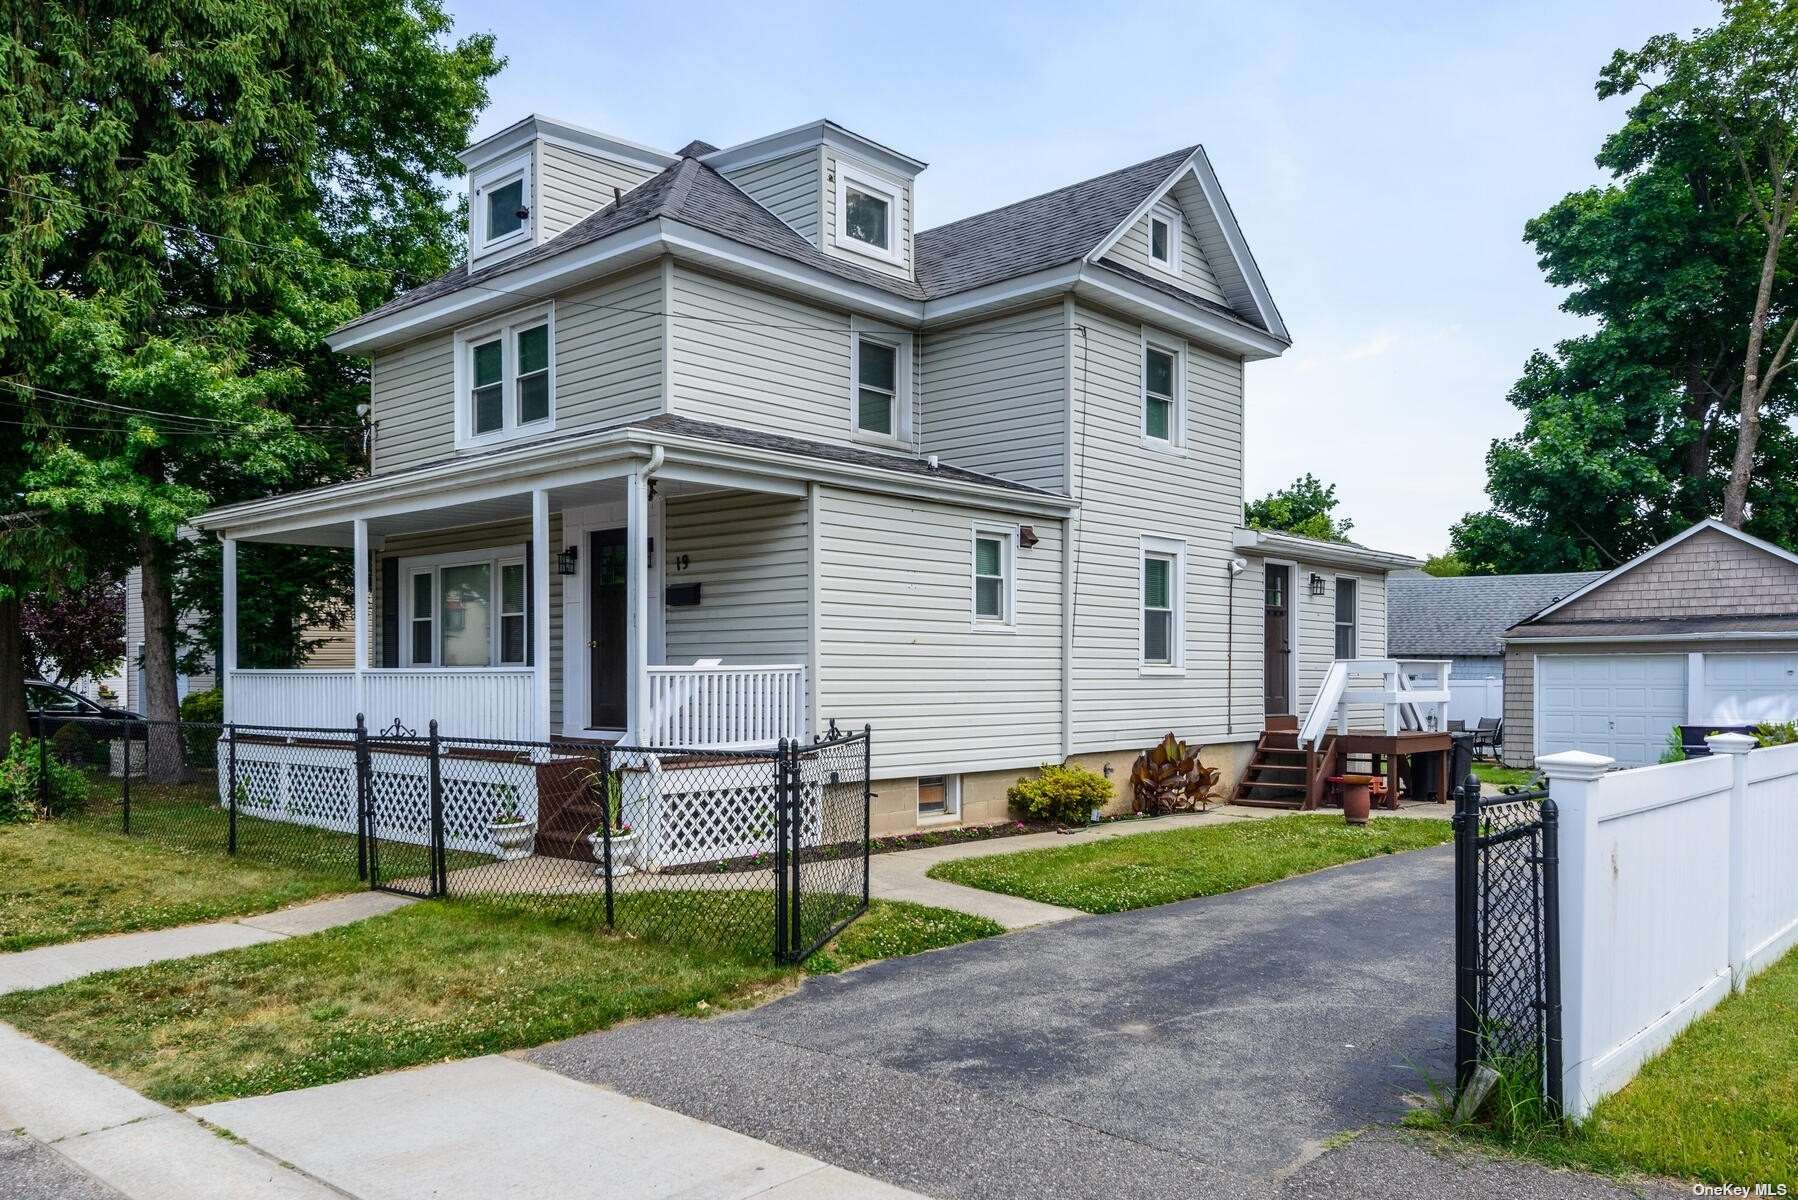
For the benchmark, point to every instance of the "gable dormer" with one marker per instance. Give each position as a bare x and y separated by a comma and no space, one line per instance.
534,179
849,196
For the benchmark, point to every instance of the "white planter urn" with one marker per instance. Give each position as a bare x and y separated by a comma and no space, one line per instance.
516,839
624,853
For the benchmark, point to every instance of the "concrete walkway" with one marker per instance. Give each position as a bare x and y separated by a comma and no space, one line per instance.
904,874
47,966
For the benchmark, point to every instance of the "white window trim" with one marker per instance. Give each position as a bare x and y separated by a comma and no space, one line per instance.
1170,217
1167,547
495,557
490,176
893,192
1176,439
1354,623
951,813
903,404
1007,536
505,328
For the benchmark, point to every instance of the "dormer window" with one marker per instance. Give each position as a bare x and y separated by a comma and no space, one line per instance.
505,378
867,214
1164,239
500,203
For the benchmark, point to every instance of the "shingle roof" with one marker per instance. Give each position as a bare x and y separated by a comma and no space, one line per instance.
1430,617
1044,231
1057,227
696,149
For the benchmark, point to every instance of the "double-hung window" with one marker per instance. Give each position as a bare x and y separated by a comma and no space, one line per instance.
992,576
1164,239
506,378
876,387
1346,604
467,610
1160,393
1162,587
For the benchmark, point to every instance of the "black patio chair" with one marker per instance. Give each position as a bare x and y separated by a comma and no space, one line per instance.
1456,725
1488,736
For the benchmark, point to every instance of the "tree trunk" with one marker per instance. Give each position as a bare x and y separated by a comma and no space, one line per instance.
13,717
162,699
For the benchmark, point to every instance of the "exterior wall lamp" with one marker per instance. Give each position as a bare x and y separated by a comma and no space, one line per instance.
1317,584
567,561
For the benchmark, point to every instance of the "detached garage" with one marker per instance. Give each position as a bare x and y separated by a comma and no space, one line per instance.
1702,629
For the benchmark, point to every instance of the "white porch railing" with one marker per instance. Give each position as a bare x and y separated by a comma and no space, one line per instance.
709,705
1382,682
478,703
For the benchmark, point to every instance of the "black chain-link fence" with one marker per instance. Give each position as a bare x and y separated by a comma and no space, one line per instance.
1507,957
754,851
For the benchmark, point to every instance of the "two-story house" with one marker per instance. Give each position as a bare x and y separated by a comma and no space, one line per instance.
714,447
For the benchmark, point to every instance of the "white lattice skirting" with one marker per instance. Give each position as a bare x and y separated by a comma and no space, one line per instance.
683,815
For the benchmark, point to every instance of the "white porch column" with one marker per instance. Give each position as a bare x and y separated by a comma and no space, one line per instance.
636,490
359,616
228,641
539,569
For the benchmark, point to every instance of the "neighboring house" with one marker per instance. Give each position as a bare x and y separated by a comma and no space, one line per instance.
334,652
1463,620
713,448
1700,630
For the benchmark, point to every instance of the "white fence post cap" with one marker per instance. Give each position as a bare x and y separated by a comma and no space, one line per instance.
1574,764
1730,743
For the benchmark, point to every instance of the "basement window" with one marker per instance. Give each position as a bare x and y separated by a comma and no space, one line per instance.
939,797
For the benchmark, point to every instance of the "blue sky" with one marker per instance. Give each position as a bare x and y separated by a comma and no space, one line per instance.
1382,160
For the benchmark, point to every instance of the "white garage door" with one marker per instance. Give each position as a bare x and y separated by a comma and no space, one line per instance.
1746,689
1621,705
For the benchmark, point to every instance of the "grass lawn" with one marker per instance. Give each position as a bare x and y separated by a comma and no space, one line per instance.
1499,776
1145,869
1720,1104
60,881
436,980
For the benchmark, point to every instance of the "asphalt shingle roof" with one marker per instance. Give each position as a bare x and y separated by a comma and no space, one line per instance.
1049,230
1032,235
1427,617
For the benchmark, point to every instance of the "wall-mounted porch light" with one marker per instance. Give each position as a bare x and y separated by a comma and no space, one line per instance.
1317,584
568,561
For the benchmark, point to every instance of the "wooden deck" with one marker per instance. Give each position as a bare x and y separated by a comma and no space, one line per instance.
1283,774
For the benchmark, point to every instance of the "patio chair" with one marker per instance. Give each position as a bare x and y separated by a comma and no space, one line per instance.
1456,725
1488,736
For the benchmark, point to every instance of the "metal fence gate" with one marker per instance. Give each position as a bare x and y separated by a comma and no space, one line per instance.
1507,952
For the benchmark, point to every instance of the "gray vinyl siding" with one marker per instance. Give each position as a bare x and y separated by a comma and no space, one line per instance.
572,184
1315,640
608,372
750,554
790,187
1195,274
508,537
993,396
897,646
1127,490
1213,246
754,359
903,222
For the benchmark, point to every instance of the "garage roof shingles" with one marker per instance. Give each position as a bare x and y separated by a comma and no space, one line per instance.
1429,617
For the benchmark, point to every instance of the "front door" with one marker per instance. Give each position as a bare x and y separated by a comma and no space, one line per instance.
607,629
1277,672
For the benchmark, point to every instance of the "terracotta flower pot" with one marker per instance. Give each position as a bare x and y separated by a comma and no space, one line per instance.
1357,798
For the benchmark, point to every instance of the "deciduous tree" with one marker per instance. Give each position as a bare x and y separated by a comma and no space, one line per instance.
1306,506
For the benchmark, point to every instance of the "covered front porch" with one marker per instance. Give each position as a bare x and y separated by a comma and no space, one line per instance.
634,600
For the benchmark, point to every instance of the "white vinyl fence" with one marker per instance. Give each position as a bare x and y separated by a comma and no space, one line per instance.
1677,882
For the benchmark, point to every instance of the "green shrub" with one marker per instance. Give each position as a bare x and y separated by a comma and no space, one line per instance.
63,792
203,708
74,745
1776,733
1064,794
1675,750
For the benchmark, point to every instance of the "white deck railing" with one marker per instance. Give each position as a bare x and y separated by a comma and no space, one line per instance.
1382,682
721,706
472,703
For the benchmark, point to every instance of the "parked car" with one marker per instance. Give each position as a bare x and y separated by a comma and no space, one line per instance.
52,706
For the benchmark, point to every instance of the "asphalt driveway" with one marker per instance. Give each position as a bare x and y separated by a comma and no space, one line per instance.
1206,1048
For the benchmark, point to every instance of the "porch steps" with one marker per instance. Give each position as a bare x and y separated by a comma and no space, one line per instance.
568,809
1277,774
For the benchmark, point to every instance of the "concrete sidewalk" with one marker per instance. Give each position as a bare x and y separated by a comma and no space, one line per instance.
904,874
497,1127
47,966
